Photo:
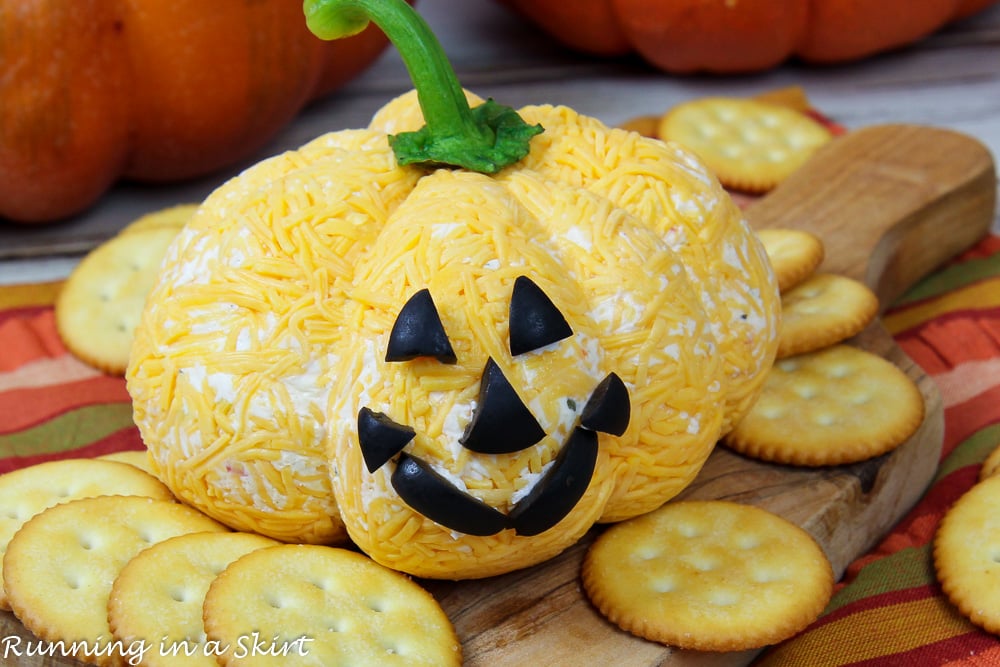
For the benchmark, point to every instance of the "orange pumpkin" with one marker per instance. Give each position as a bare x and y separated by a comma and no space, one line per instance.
93,91
729,36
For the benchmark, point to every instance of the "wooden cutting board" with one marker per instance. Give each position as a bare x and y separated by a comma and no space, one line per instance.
891,204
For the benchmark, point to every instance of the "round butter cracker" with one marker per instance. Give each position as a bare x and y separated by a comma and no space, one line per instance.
172,217
825,309
647,126
991,464
60,566
708,576
833,406
101,302
966,545
133,457
158,596
27,491
326,606
795,254
750,145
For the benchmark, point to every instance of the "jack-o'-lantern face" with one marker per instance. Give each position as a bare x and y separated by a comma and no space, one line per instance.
501,423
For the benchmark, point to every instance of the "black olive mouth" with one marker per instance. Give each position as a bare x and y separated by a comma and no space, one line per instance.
494,430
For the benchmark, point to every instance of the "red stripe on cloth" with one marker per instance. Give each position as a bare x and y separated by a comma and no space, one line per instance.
990,245
964,419
952,339
972,649
28,407
125,439
22,312
28,338
875,601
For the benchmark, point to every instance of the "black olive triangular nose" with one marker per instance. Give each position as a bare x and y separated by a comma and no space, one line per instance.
380,438
609,407
418,332
502,422
534,320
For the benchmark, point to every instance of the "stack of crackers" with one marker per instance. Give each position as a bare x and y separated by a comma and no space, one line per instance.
824,402
102,564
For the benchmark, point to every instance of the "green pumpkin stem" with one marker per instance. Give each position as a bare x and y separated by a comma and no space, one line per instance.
486,138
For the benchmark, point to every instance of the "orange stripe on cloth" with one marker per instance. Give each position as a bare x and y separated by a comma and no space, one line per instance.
25,339
30,406
953,339
894,629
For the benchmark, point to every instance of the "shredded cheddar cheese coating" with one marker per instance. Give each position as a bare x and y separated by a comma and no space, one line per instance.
230,369
465,237
267,332
667,188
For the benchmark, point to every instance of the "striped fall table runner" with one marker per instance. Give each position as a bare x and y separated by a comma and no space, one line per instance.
888,609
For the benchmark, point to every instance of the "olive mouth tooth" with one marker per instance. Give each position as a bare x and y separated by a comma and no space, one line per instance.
552,498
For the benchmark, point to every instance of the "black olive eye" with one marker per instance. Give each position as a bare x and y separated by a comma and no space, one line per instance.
534,320
380,438
609,408
502,422
418,332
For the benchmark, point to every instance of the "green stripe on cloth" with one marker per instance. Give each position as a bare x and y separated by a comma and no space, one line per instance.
907,568
951,278
68,431
972,451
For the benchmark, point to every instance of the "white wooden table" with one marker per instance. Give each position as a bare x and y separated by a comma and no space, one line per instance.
950,80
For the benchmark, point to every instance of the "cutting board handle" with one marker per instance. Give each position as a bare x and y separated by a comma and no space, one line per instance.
891,202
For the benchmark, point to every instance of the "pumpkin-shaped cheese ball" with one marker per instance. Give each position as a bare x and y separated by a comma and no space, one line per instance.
229,370
460,346
626,314
671,194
